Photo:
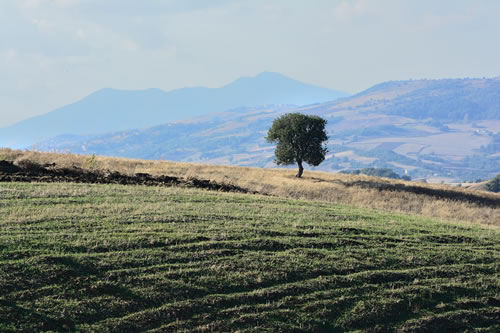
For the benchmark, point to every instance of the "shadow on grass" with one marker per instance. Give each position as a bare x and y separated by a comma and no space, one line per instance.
451,194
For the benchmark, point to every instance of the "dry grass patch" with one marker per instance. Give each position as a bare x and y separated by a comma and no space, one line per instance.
439,201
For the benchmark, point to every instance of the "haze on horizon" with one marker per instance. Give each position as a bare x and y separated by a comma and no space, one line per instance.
54,52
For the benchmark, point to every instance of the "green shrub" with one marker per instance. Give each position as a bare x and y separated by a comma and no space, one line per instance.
377,172
494,184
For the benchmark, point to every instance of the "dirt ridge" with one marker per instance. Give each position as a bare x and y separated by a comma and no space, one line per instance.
49,173
26,170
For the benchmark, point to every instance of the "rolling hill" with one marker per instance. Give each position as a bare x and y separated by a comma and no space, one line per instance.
110,110
449,100
172,257
432,200
442,130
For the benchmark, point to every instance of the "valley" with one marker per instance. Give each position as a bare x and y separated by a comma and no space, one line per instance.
412,127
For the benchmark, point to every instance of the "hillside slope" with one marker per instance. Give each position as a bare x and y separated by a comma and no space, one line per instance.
443,130
110,110
447,99
438,201
114,258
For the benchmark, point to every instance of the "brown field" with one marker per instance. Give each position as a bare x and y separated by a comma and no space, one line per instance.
432,200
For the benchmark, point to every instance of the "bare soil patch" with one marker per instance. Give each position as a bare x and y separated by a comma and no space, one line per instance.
50,173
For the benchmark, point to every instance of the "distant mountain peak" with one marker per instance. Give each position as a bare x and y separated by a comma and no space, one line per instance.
119,109
267,74
261,77
273,81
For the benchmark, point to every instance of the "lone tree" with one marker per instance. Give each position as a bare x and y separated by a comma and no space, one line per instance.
300,138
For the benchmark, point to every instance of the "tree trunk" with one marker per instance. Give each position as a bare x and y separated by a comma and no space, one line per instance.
301,169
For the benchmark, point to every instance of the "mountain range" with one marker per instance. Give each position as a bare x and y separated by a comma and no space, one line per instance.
441,130
110,110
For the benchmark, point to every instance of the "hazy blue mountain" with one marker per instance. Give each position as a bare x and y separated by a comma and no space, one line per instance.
446,99
386,126
110,110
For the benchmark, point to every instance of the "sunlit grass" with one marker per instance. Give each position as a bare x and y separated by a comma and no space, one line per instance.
319,186
134,258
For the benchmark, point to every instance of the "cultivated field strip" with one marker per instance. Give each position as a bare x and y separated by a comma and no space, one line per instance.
113,258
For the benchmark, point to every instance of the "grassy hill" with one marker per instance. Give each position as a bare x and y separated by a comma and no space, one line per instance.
432,200
173,257
135,258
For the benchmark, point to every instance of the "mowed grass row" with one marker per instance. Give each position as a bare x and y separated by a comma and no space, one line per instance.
133,258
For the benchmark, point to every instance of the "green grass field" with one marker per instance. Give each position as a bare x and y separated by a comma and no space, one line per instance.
79,257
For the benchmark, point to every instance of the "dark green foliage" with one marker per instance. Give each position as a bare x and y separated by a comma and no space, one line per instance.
378,172
494,184
110,258
300,138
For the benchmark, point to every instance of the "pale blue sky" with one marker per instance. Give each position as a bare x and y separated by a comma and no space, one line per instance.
54,52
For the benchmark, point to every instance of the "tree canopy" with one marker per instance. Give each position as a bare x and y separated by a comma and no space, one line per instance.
300,138
494,184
